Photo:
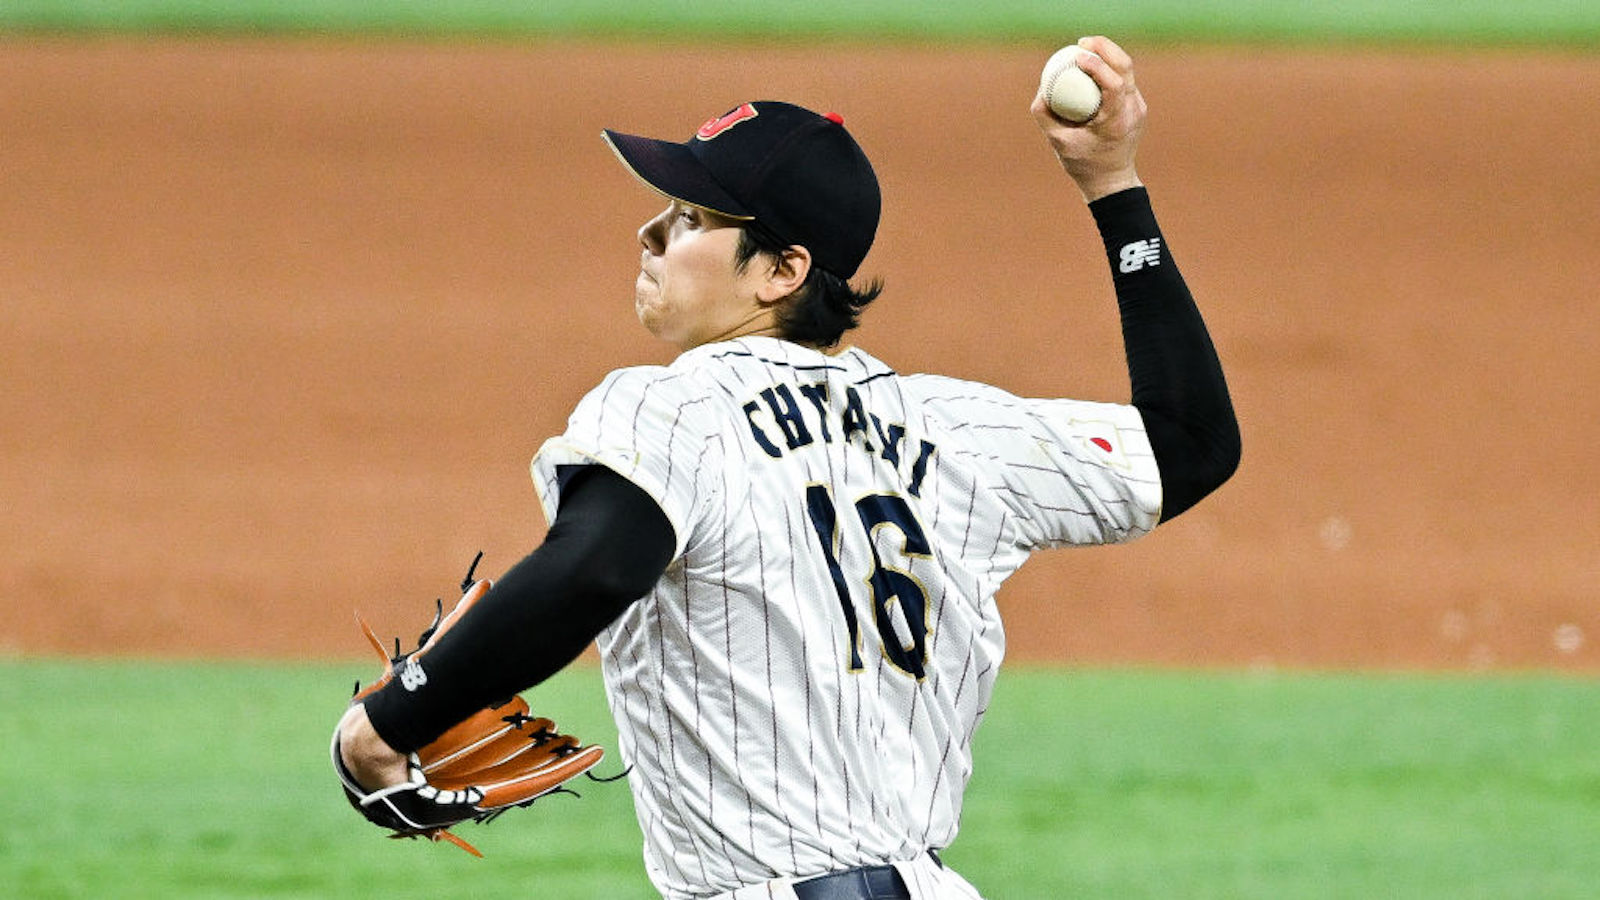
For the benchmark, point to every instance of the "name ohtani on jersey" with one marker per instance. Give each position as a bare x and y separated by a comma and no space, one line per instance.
778,422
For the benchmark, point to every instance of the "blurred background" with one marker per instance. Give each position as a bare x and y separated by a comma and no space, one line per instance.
291,292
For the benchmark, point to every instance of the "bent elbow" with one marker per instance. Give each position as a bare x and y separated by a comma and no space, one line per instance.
1230,449
1214,458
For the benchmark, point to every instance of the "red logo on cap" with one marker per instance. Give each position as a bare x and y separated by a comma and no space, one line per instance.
714,127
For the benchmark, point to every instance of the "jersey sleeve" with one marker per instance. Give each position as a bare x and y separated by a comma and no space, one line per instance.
1062,471
647,425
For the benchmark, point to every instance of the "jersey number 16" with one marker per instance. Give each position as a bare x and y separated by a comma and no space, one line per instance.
899,605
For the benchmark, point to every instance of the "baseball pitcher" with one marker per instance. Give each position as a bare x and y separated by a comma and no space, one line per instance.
788,552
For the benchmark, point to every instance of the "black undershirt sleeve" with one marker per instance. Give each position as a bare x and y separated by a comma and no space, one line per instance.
1177,379
609,544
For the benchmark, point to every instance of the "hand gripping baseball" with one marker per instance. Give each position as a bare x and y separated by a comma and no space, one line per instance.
1099,154
498,759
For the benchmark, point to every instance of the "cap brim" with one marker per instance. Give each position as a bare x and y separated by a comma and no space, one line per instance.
673,170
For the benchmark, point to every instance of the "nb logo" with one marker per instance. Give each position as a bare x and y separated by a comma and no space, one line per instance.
412,676
1137,255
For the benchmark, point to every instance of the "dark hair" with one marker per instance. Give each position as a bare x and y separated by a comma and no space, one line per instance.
823,308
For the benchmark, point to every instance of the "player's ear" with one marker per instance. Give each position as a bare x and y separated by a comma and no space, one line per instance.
786,275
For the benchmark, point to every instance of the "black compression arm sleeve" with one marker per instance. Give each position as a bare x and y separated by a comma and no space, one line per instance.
1178,385
609,544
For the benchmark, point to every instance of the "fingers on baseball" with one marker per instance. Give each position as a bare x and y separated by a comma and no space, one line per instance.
1041,108
1108,50
1113,72
1110,79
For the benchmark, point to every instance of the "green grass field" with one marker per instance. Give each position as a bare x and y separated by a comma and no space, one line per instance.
133,779
1540,22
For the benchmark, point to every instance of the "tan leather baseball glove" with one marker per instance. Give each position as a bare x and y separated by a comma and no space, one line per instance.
499,759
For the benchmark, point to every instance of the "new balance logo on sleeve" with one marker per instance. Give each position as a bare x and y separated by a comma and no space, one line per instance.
412,676
1137,255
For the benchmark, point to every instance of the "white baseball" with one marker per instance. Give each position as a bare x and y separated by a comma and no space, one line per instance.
1071,93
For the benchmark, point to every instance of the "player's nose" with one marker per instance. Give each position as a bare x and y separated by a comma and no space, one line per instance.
652,234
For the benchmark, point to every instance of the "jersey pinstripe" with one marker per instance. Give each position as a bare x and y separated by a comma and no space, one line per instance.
799,692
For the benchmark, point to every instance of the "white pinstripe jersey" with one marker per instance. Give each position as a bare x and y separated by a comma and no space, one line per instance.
799,692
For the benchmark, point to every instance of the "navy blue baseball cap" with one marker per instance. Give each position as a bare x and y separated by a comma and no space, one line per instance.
791,172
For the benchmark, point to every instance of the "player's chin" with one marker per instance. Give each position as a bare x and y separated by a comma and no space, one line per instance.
647,306
645,291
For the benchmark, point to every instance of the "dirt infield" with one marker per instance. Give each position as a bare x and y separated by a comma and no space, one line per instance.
283,323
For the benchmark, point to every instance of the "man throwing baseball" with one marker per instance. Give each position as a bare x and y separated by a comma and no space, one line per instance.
788,552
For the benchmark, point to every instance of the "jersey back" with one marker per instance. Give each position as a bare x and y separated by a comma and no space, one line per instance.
800,691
